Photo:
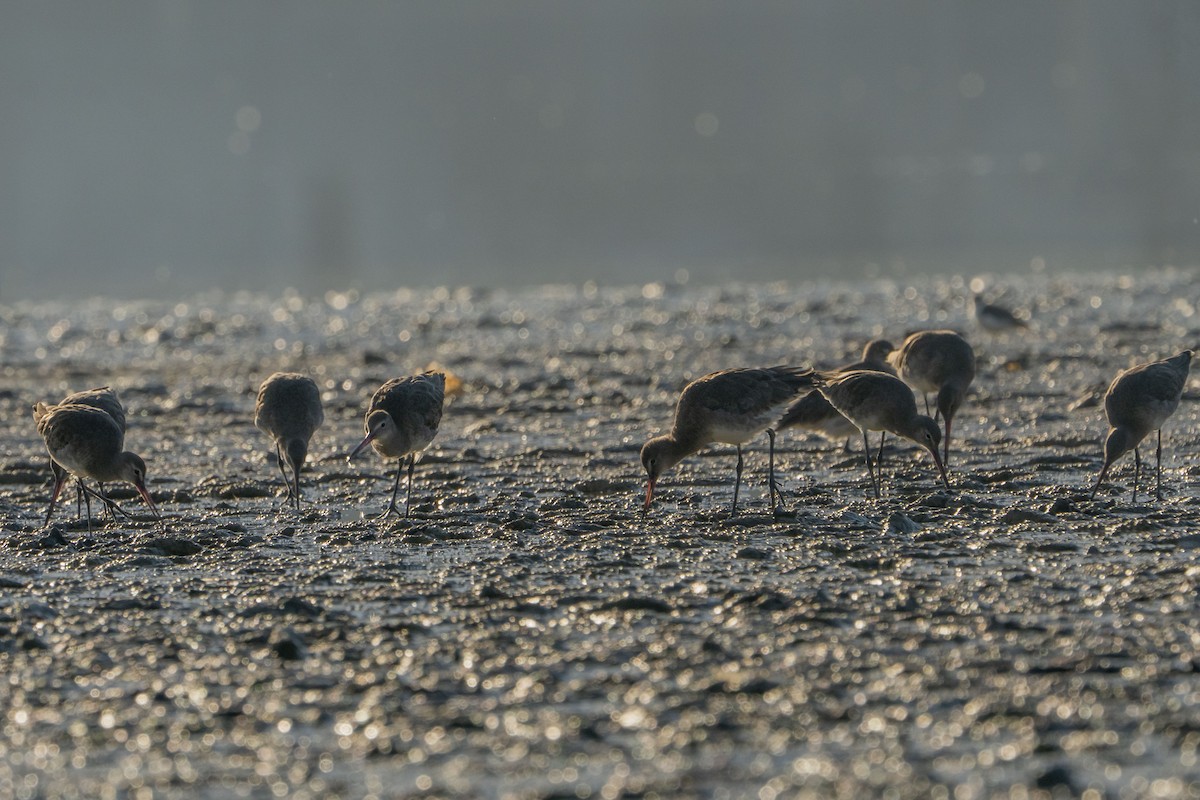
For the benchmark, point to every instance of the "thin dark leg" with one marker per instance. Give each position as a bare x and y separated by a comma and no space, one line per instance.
412,462
109,503
1137,470
87,503
774,487
870,466
296,479
926,398
1158,467
879,459
737,483
100,491
391,509
946,446
287,481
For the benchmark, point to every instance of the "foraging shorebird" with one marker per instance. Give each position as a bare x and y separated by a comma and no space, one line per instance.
288,410
1138,401
942,362
813,412
996,318
103,398
877,401
731,407
88,443
401,422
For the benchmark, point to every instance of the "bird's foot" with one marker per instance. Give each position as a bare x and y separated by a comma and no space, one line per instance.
778,506
391,509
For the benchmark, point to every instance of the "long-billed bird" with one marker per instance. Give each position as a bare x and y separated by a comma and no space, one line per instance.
288,409
402,420
942,362
731,407
88,443
876,401
1138,401
812,412
105,399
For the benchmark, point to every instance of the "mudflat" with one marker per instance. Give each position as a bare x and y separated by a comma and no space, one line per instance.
528,632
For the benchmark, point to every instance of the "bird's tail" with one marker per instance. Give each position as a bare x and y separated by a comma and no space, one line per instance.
798,378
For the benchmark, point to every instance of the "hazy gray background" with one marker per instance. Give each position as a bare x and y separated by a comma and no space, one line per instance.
151,148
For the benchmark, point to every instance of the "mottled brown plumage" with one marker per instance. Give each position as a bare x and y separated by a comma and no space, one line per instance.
1138,401
876,401
731,407
103,398
88,443
402,420
812,412
288,409
941,362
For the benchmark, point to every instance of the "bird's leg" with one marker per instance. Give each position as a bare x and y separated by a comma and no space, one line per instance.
111,514
925,397
879,458
392,509
412,462
296,479
87,503
1137,470
1158,467
775,491
737,483
108,502
946,445
870,466
283,472
1099,480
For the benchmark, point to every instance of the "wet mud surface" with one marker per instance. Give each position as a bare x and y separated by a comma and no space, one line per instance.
529,633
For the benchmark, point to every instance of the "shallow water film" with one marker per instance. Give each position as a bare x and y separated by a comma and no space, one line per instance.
528,632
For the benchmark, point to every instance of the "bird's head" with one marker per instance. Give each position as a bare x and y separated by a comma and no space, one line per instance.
379,425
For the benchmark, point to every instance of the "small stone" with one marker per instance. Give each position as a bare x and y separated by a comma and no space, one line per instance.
753,553
288,645
1018,515
901,523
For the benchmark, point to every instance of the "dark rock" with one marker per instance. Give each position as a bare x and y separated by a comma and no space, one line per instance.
53,539
171,546
288,645
1019,515
753,553
630,603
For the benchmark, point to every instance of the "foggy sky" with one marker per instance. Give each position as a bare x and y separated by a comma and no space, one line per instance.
155,148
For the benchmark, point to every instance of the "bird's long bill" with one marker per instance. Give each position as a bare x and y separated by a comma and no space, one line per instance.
366,441
58,485
141,489
296,484
649,493
941,467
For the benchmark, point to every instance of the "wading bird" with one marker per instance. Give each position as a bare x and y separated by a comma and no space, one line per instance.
731,407
1138,401
288,409
401,422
